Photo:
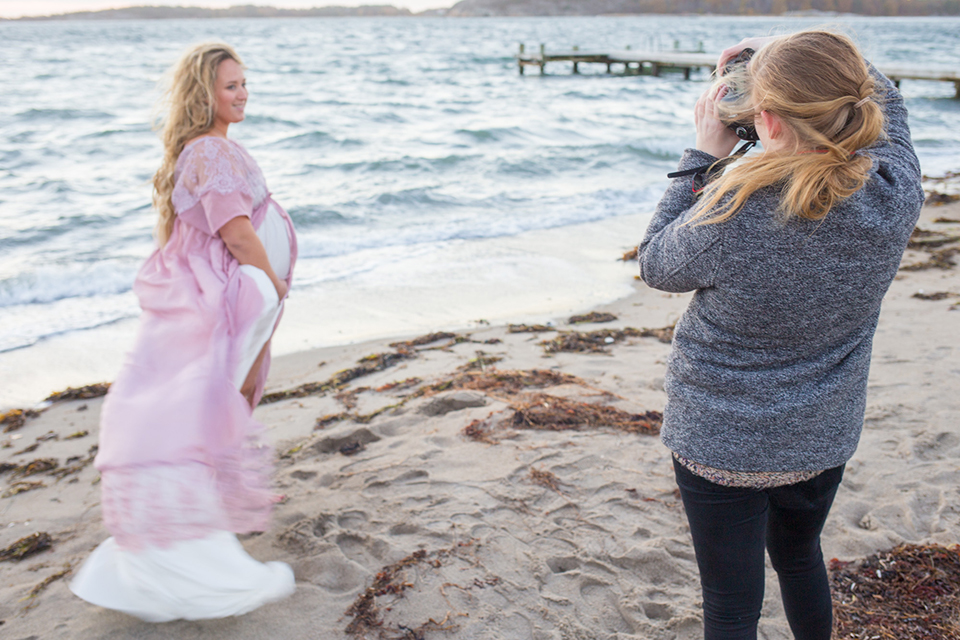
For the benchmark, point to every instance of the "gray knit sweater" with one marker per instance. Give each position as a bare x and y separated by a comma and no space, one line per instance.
769,365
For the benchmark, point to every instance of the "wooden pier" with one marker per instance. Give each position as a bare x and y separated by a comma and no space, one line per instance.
655,63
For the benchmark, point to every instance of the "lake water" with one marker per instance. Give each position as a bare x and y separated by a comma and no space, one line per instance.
431,184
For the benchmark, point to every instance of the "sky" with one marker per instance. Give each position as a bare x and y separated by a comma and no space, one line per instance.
18,8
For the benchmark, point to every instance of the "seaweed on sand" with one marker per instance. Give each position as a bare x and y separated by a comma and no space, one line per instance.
939,295
937,199
32,468
942,259
392,581
349,398
631,255
75,464
27,546
505,383
593,316
598,341
22,487
42,585
365,366
923,239
480,363
399,385
87,392
16,418
545,479
910,591
551,413
428,339
529,328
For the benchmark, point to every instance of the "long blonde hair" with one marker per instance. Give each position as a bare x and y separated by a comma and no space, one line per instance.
820,87
187,109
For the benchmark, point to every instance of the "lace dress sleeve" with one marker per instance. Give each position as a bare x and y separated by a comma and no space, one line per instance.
212,174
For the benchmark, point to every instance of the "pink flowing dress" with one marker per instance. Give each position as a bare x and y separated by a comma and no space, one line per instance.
182,463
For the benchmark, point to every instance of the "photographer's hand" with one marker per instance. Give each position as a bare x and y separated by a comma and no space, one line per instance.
713,136
747,43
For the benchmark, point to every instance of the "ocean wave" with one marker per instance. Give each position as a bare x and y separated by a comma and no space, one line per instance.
313,216
419,197
33,324
31,115
500,215
493,134
50,283
305,140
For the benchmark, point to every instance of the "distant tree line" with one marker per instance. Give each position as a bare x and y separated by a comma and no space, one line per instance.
727,7
246,11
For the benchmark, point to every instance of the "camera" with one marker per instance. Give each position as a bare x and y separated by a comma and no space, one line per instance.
744,128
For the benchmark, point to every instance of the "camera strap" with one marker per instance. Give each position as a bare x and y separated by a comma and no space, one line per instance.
703,174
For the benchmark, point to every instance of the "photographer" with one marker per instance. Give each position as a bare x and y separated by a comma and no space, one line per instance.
789,253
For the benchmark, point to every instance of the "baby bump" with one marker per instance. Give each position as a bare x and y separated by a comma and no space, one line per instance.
274,235
260,330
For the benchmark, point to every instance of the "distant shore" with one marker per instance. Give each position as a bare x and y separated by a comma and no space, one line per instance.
523,8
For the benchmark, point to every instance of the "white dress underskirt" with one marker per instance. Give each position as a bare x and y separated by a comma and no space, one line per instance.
210,577
213,576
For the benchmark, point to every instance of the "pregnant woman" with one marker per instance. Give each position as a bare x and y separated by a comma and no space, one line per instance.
790,253
183,469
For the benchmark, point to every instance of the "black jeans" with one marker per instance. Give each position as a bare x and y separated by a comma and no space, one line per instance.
731,526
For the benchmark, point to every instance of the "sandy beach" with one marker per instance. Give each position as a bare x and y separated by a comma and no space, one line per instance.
422,501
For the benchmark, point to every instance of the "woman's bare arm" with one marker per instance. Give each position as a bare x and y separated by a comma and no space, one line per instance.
242,242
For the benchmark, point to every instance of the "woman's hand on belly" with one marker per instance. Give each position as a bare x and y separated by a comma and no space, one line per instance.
244,245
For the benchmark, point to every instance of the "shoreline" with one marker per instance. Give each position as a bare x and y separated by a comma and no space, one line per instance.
525,533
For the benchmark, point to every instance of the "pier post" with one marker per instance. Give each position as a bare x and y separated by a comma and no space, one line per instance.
576,68
957,85
520,58
543,61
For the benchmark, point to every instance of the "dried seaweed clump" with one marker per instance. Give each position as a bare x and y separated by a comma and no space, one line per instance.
631,255
598,341
391,580
427,339
937,199
939,295
365,366
506,383
16,418
545,479
551,413
923,239
80,393
40,465
942,259
593,316
27,546
529,328
480,363
911,591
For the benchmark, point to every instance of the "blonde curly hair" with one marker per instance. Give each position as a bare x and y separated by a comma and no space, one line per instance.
187,110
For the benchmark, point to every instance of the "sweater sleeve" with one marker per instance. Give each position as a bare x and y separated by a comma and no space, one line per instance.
897,162
675,256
